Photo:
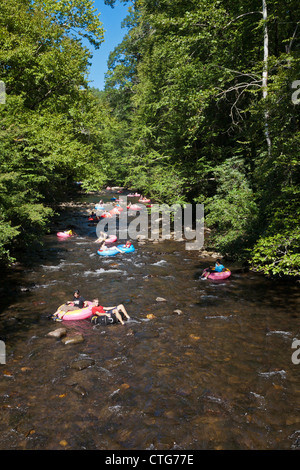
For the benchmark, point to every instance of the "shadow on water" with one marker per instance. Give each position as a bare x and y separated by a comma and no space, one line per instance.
208,367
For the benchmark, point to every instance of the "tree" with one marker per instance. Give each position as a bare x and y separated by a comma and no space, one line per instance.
48,135
210,87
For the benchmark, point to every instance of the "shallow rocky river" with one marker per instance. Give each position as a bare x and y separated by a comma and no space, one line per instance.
208,368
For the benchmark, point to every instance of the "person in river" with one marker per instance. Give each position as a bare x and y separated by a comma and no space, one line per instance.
108,315
102,238
104,247
75,304
217,268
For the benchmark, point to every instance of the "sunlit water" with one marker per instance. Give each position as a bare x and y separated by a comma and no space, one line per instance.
210,368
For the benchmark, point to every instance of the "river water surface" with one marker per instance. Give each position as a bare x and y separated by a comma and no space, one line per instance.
209,368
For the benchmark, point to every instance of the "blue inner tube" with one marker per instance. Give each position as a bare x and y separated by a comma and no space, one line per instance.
100,208
109,252
130,249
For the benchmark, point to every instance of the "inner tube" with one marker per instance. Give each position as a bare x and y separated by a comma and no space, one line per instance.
115,210
63,235
134,207
99,208
126,249
144,200
219,276
106,214
111,239
79,314
110,252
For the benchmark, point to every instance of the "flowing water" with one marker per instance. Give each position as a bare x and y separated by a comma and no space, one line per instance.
209,368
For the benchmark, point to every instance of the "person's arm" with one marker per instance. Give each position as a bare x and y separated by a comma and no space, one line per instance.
101,314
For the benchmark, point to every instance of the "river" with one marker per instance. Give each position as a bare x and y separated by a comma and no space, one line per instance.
209,368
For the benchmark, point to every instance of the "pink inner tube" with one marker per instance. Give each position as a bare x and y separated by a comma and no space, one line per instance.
134,207
80,314
111,239
144,200
219,276
106,214
116,210
63,235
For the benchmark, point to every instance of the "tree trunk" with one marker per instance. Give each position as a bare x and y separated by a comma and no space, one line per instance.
265,73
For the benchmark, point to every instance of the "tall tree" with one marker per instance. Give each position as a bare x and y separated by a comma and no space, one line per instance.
45,116
209,89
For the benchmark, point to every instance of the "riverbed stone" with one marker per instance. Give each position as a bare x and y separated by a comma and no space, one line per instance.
179,312
160,299
79,390
73,339
58,333
82,364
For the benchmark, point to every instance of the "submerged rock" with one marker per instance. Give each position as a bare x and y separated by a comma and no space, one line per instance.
179,312
82,364
58,333
79,390
73,339
160,299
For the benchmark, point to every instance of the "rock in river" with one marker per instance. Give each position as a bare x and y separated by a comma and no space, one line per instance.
73,339
82,364
58,333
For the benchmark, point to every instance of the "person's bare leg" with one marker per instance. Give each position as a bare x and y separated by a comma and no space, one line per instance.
118,316
123,310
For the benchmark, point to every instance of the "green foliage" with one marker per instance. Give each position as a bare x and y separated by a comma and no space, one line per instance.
182,119
49,134
188,80
76,17
232,212
278,255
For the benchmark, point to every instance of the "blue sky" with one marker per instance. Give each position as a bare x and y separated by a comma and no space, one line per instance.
111,19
